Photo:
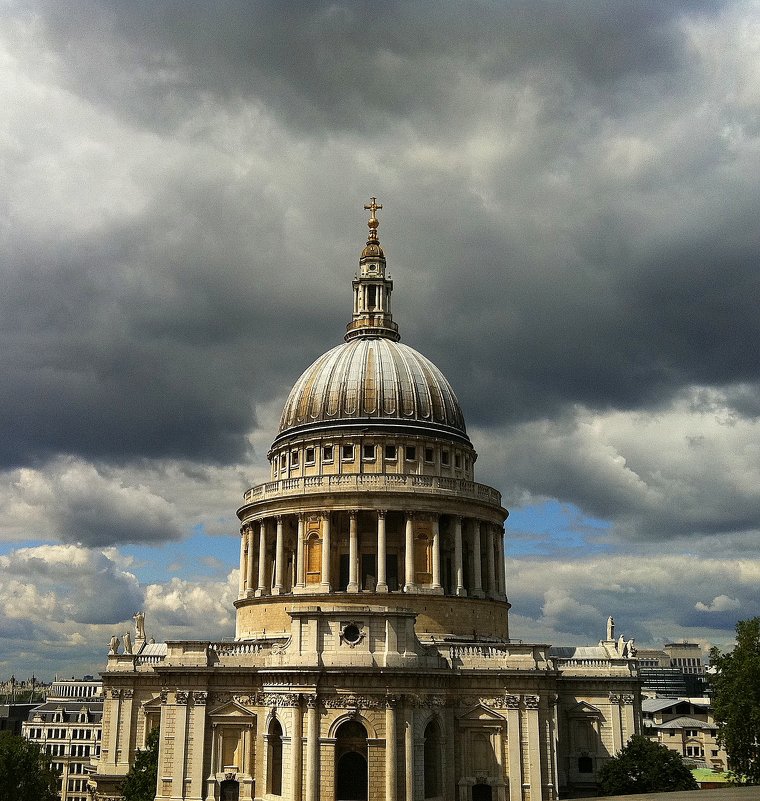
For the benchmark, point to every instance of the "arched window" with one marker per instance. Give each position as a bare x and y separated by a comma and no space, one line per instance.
313,559
433,763
275,757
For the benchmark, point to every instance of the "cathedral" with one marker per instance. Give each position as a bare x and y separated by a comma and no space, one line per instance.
372,659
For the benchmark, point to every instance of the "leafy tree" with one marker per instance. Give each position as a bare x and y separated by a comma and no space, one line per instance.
736,701
25,774
644,766
140,782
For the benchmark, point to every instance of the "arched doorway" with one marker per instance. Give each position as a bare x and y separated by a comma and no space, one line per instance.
481,792
351,762
229,791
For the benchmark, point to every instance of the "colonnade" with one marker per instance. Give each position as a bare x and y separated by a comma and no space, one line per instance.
273,561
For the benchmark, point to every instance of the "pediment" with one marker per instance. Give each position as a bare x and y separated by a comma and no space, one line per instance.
479,712
584,710
232,710
152,704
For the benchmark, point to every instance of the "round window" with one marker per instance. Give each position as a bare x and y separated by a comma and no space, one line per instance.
351,634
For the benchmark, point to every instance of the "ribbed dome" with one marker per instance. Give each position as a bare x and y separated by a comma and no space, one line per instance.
373,382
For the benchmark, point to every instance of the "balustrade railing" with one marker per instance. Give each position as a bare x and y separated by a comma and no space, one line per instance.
395,482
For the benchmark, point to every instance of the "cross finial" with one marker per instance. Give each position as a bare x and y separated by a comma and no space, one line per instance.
372,207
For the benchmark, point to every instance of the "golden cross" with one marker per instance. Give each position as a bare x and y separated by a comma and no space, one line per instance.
372,207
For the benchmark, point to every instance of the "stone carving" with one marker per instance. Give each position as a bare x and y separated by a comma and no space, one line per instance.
115,692
610,628
128,693
200,697
276,700
139,618
531,701
512,701
181,697
247,699
353,701
627,699
614,698
113,645
164,694
127,643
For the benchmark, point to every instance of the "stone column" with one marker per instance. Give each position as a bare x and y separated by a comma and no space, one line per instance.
296,757
326,552
300,567
197,728
391,757
243,560
436,554
534,745
312,749
211,779
279,560
249,585
501,563
353,551
458,563
382,582
409,554
477,590
180,746
513,747
262,559
409,752
617,733
491,546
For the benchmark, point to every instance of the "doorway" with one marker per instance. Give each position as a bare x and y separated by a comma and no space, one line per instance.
351,781
481,792
229,791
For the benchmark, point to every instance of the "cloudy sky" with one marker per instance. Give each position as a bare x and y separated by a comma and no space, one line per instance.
571,209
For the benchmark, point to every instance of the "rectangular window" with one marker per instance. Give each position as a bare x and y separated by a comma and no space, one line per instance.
466,462
327,453
368,452
458,460
428,454
390,452
445,458
284,461
310,456
410,453
347,453
294,458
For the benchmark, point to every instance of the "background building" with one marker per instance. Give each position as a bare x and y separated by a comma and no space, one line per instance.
373,657
68,729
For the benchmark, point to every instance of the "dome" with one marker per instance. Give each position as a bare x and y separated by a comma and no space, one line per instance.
374,383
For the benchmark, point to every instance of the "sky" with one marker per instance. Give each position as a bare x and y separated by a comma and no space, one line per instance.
570,215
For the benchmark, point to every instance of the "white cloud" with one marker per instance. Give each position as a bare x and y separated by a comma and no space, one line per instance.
721,603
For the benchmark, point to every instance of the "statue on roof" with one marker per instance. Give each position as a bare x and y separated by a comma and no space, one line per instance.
113,645
127,643
139,618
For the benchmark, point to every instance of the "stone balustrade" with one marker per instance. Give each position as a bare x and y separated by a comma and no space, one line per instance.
383,482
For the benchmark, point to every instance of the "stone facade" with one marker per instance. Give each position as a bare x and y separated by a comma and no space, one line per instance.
372,657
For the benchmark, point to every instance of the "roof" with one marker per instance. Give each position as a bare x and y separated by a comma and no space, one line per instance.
685,722
658,704
578,652
372,382
71,708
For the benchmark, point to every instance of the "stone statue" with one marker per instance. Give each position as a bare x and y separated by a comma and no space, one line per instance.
139,618
632,650
621,646
127,643
610,628
113,645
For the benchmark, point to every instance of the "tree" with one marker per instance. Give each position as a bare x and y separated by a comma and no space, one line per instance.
644,766
25,774
140,782
736,701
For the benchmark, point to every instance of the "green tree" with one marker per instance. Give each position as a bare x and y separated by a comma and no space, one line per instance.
140,782
644,766
736,701
25,774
